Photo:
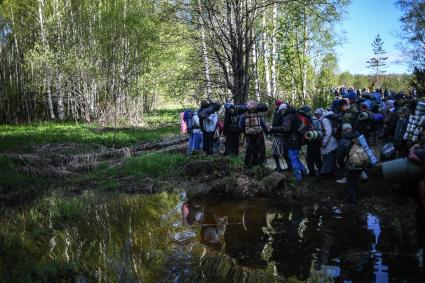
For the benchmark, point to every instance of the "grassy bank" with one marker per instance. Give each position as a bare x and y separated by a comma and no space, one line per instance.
24,137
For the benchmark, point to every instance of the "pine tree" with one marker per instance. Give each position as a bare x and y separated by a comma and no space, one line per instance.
378,62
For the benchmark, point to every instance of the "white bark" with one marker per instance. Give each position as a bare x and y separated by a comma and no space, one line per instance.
266,58
61,108
45,48
304,67
255,64
205,52
274,52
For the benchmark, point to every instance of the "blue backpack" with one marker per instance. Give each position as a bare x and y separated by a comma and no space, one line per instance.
187,117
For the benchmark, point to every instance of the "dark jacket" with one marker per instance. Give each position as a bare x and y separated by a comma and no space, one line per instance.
231,122
277,123
291,138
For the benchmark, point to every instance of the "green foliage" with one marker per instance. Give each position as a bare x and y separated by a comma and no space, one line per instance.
378,62
17,184
97,237
83,59
22,138
418,81
413,31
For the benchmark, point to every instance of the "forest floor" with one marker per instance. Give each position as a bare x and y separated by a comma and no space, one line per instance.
68,160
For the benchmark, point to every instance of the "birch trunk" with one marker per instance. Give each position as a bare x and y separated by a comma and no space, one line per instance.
274,53
266,58
46,48
205,52
61,108
255,65
304,67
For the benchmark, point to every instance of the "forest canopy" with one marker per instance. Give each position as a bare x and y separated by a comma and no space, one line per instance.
102,60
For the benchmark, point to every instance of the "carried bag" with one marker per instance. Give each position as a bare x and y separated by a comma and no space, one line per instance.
357,157
253,124
336,124
210,123
304,125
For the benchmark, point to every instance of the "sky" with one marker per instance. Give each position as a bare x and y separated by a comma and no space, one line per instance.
364,20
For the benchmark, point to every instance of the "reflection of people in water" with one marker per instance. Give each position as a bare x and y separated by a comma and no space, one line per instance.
295,257
192,214
214,233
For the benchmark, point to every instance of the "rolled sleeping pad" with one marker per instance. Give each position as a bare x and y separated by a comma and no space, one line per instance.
372,158
363,116
312,135
402,169
366,105
420,108
378,117
387,152
261,107
205,112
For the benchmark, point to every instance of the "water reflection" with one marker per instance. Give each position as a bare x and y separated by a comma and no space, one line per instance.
305,242
381,270
170,239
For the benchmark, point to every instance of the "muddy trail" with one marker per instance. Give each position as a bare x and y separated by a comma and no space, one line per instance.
232,224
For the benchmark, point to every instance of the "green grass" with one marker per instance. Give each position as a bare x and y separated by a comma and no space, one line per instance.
150,165
23,138
11,178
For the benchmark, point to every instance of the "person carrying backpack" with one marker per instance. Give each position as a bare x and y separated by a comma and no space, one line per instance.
208,123
278,147
231,130
314,159
329,123
195,133
292,141
254,128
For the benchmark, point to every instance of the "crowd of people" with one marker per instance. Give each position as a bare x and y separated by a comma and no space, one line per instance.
330,139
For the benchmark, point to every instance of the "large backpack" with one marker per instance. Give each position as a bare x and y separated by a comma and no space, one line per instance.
336,123
187,118
234,121
252,124
400,129
303,125
210,123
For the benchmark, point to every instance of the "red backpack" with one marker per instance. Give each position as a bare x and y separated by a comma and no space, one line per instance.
304,125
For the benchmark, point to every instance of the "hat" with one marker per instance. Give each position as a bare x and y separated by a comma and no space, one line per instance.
346,126
319,111
228,106
335,103
352,95
399,96
283,106
278,102
305,110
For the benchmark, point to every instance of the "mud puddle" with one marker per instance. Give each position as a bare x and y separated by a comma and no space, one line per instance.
167,238
306,242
